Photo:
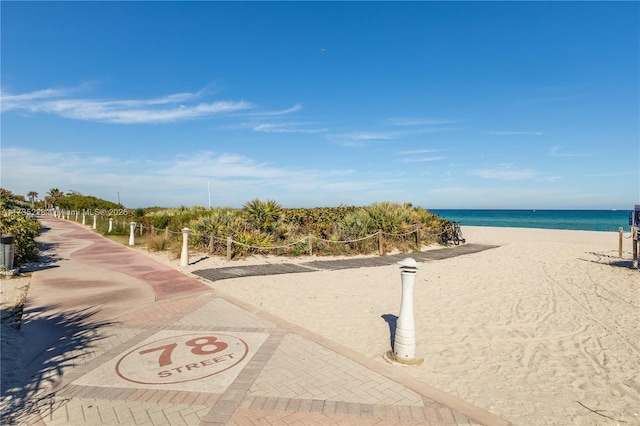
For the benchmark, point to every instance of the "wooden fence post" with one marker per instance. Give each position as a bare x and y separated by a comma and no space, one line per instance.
229,247
153,230
380,249
310,241
620,242
418,245
141,229
211,243
166,233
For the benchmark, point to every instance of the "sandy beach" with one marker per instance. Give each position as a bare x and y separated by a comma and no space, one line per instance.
544,329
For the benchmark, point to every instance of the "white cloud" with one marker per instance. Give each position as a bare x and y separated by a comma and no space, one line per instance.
364,138
549,179
169,108
167,182
419,151
512,133
422,121
295,108
367,136
418,156
13,102
617,174
285,128
505,172
355,139
555,151
421,159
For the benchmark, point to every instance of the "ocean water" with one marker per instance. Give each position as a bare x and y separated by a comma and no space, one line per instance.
584,220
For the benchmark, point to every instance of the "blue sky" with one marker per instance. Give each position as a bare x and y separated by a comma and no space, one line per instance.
441,104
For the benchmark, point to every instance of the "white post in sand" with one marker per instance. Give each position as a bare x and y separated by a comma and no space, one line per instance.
110,224
76,212
404,344
184,256
83,220
132,239
95,221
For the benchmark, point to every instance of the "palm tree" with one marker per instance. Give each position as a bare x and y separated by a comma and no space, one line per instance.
33,196
54,194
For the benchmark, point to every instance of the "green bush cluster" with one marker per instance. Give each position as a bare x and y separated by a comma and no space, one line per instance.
78,202
15,220
258,226
174,219
263,224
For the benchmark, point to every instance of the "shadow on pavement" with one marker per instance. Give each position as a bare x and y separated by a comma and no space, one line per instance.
46,259
52,343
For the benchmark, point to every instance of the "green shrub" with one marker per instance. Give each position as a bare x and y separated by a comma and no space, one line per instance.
15,220
267,224
262,215
255,239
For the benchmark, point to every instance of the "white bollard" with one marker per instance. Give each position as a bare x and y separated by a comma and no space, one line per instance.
110,224
95,221
76,212
132,239
184,256
404,343
83,221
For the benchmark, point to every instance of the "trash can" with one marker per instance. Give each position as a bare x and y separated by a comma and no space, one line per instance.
8,246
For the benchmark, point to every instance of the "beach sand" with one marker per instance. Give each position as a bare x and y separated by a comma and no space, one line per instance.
543,330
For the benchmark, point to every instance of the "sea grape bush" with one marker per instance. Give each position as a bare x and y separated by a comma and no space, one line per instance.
24,226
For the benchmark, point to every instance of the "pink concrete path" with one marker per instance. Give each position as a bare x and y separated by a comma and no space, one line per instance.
114,338
103,253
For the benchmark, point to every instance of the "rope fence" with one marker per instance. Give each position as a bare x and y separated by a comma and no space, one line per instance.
120,226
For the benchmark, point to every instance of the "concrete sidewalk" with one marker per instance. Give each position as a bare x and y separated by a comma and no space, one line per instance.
115,338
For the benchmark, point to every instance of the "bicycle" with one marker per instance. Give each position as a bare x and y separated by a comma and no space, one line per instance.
456,233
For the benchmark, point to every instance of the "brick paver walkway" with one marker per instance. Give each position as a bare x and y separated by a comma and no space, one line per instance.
115,338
